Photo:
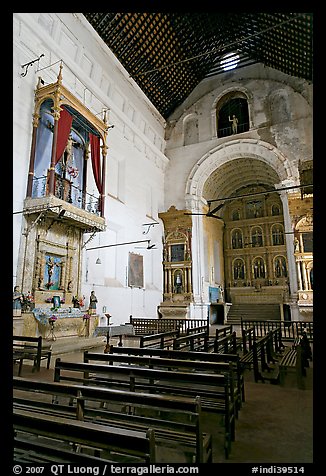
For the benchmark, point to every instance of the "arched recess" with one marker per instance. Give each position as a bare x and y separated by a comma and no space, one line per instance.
238,167
190,129
230,94
236,149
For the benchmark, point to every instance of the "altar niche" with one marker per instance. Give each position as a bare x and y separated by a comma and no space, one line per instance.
52,272
177,263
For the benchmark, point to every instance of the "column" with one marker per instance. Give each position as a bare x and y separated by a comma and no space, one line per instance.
289,242
56,115
299,275
102,200
29,190
304,273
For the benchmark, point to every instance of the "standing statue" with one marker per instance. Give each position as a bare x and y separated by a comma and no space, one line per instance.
234,121
17,301
92,303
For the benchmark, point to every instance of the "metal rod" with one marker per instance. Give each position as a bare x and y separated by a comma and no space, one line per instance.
119,244
258,193
36,211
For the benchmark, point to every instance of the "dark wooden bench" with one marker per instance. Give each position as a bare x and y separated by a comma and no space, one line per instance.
261,355
177,421
145,326
295,361
227,330
60,437
160,340
30,348
290,330
197,341
225,343
248,338
161,362
194,330
215,390
239,388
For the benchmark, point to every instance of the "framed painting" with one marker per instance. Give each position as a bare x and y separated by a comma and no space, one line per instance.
135,271
56,301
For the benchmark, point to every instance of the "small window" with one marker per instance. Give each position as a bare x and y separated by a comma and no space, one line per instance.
230,61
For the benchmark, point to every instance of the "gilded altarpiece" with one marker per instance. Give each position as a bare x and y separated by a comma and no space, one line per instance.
54,223
177,263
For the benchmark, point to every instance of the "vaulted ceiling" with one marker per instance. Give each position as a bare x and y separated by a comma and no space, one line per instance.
169,54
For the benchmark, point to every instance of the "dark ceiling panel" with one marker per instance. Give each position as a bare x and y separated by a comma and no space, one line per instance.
168,54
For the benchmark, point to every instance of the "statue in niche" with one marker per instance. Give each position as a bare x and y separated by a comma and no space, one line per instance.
259,269
52,272
178,289
234,124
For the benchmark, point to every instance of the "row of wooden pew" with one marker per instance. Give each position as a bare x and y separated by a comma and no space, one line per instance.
134,390
123,405
225,340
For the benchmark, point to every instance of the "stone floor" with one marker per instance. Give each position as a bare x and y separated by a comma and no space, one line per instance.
275,424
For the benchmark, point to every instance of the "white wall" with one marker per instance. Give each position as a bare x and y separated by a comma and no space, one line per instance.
265,88
135,151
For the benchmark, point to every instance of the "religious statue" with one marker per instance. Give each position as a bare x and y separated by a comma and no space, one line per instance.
296,245
50,264
178,283
17,301
234,121
75,302
92,303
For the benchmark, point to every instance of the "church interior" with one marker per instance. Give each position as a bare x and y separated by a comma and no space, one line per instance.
163,180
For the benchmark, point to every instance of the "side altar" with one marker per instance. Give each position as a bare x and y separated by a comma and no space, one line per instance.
54,324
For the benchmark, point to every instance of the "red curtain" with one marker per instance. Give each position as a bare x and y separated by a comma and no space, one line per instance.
96,164
64,127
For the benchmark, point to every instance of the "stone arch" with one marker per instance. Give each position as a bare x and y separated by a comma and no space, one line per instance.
247,148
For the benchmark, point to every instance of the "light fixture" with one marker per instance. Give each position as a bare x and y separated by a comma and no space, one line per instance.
98,261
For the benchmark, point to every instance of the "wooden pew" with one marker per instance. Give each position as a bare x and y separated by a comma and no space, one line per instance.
194,330
290,330
225,342
30,348
160,340
295,360
37,433
216,390
239,388
248,338
197,341
145,326
261,354
177,421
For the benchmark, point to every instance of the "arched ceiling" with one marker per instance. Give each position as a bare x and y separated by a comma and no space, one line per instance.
234,176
